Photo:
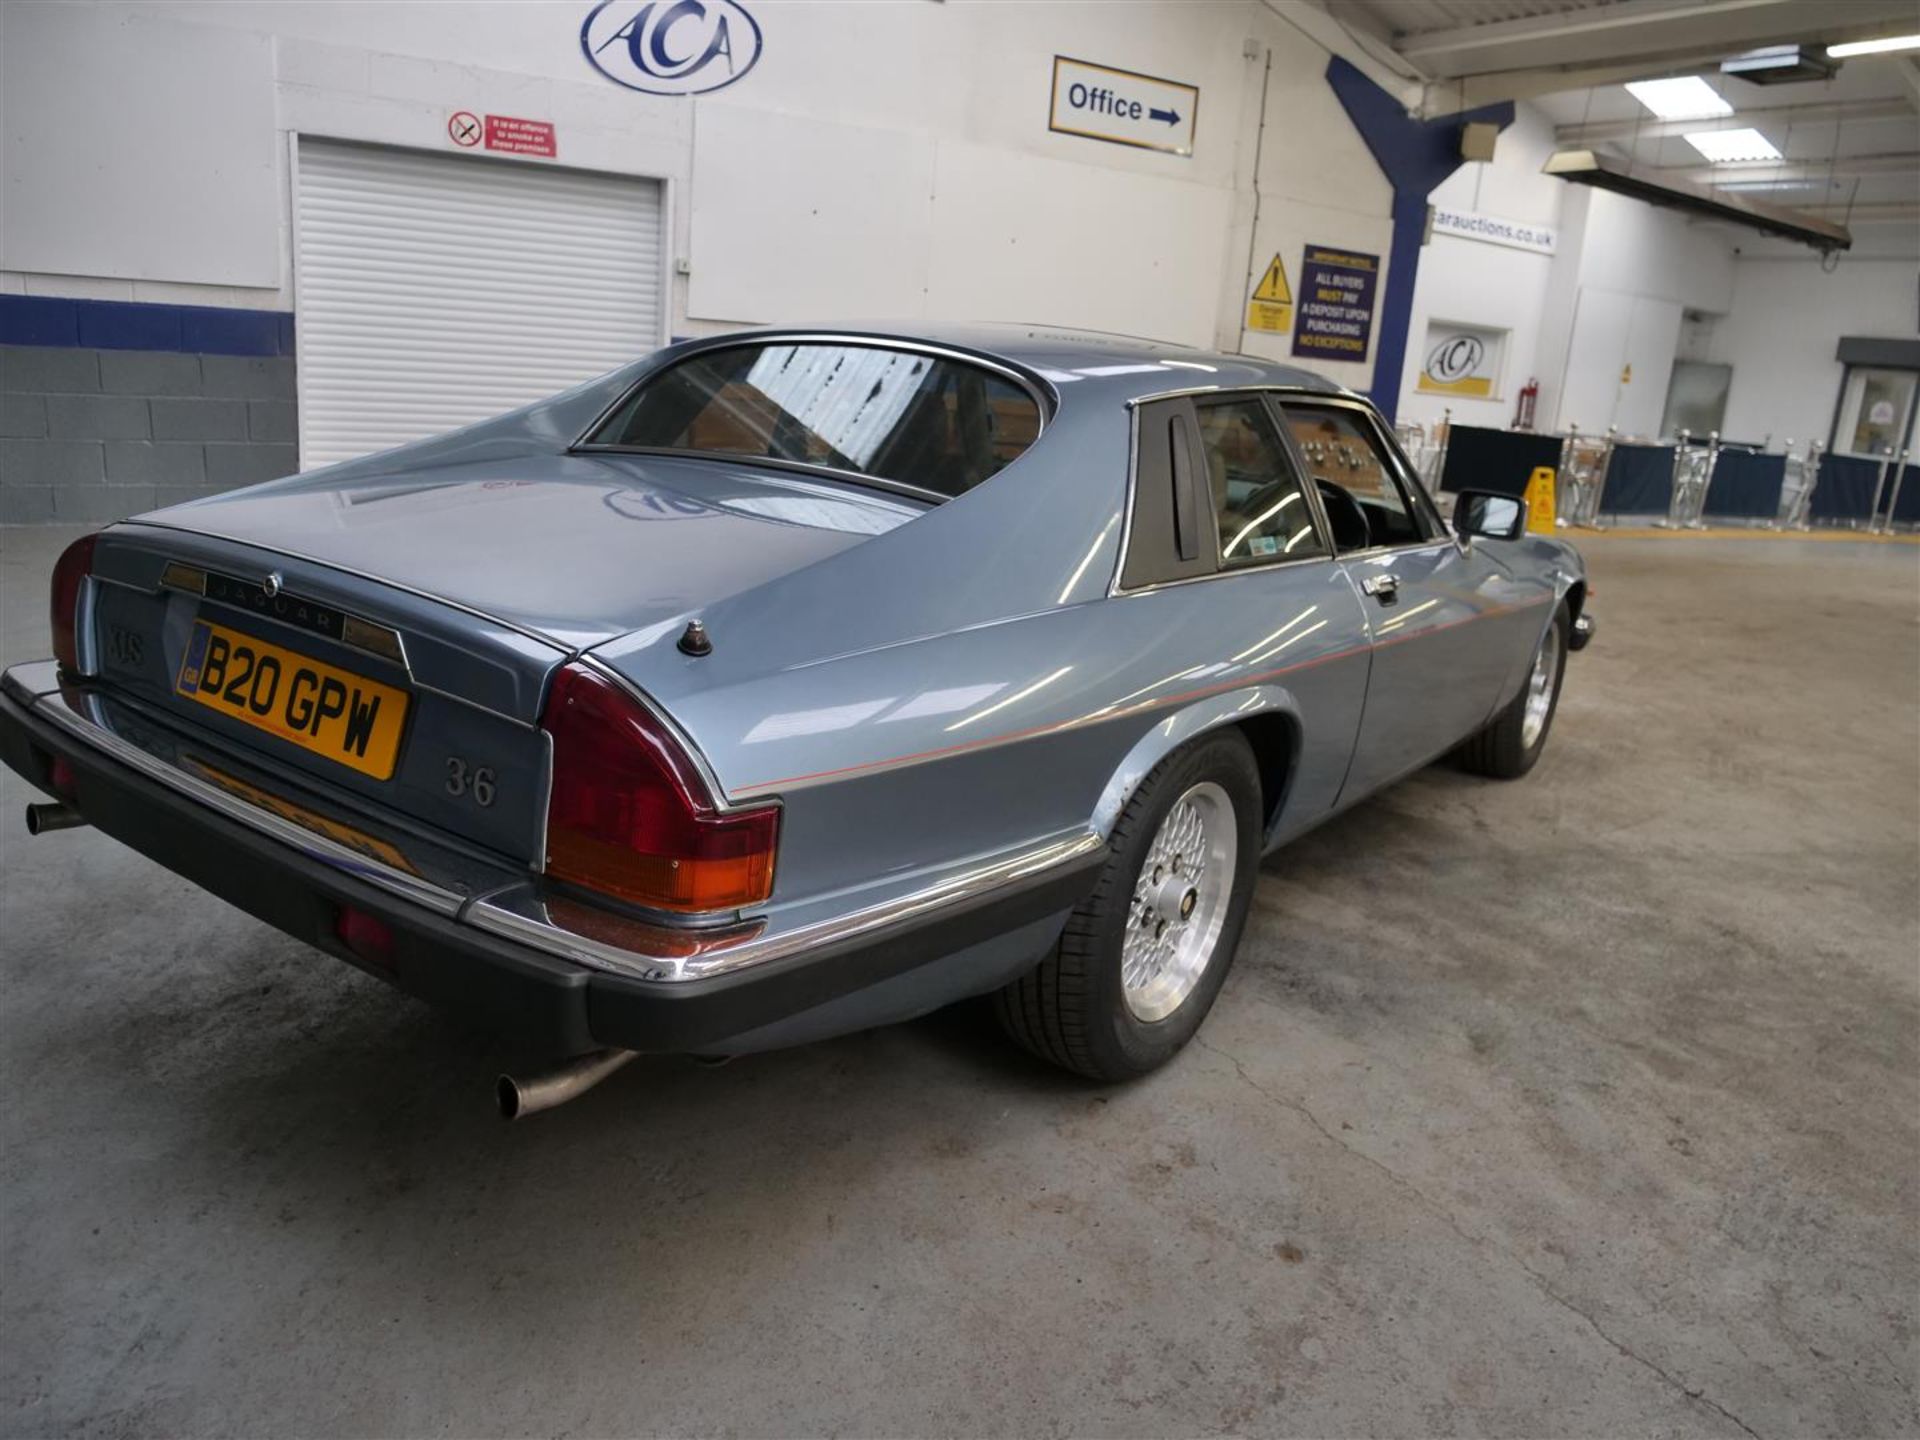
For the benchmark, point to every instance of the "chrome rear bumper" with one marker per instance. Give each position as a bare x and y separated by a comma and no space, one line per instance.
188,804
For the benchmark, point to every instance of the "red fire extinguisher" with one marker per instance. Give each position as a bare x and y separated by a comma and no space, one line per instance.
1523,416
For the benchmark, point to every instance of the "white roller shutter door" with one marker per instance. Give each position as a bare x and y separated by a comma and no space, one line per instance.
436,290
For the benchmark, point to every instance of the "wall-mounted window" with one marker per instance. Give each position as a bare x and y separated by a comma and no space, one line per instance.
1875,408
1696,398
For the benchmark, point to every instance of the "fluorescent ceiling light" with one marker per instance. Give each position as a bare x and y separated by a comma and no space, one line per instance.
1873,47
1685,98
1757,187
1721,146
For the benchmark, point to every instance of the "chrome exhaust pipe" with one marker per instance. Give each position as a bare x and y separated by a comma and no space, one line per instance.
42,818
521,1097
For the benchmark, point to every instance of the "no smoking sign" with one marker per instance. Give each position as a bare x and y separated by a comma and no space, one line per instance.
508,134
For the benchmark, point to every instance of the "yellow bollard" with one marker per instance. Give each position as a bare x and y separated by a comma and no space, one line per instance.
1540,501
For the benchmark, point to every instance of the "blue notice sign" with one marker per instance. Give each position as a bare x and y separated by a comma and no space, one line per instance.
1334,316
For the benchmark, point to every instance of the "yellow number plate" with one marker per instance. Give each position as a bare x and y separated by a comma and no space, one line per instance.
332,712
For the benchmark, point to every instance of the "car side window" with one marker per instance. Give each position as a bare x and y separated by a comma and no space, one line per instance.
1359,488
1260,504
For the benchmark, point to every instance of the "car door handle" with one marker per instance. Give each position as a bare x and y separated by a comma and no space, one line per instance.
1383,588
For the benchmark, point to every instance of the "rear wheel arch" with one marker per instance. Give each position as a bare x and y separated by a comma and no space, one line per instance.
1275,738
1128,983
1266,718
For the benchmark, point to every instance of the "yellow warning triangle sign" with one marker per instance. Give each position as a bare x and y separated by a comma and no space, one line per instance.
1273,285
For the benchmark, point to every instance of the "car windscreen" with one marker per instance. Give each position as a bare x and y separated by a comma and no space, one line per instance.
936,424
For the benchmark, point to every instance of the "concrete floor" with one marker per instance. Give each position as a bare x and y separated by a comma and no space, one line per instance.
1584,1105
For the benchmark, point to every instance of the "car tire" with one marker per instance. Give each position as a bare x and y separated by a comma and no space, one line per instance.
1508,748
1178,879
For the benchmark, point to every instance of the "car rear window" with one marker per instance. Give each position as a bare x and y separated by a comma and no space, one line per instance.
933,423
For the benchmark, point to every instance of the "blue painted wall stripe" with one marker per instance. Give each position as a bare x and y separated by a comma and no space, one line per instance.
131,325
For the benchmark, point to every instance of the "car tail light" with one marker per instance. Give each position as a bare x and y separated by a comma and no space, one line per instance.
630,815
70,572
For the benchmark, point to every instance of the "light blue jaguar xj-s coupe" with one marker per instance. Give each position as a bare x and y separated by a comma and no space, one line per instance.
794,681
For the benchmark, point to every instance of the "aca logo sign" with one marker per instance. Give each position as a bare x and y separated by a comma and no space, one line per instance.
1462,360
1455,358
671,47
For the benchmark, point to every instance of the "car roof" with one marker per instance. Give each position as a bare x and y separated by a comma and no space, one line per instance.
1077,363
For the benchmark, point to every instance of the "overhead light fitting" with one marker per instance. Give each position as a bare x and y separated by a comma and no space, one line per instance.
1726,146
1768,187
1882,46
1780,65
1685,97
1608,172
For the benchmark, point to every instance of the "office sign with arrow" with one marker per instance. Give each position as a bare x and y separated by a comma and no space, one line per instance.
1123,107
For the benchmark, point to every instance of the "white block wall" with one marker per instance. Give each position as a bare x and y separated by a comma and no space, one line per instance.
1782,329
880,160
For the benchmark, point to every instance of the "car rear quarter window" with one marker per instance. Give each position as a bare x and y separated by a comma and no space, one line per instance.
1260,503
937,424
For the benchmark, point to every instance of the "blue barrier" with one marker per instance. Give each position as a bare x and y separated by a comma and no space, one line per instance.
1746,485
1845,488
1907,512
1639,481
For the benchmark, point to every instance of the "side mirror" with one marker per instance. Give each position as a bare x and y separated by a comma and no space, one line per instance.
1496,517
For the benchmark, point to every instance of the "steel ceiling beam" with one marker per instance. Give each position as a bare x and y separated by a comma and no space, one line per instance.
1643,31
1597,132
1899,162
1909,70
1867,212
